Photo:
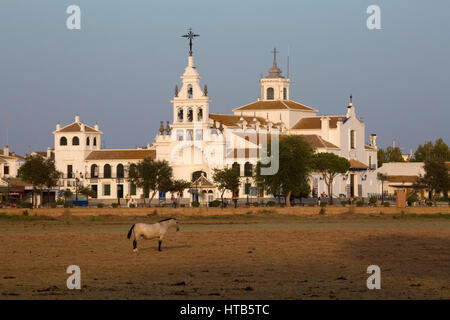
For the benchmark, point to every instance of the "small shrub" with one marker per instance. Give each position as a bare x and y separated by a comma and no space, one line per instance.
255,204
344,203
373,200
115,205
215,203
322,211
25,213
132,205
270,204
99,205
387,204
182,205
195,204
429,203
323,204
359,203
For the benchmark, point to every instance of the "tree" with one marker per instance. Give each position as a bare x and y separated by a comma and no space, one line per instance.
439,150
87,191
52,177
294,156
151,175
329,166
178,186
34,171
226,179
391,154
436,178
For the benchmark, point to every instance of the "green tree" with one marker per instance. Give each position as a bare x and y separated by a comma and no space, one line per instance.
329,166
226,179
439,150
436,178
52,177
295,161
151,175
391,154
178,186
34,171
87,192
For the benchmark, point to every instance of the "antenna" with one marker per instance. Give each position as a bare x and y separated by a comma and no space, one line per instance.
6,125
289,53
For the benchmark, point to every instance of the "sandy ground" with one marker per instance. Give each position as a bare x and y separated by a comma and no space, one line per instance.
252,257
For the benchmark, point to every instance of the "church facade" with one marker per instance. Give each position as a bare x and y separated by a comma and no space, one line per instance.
197,141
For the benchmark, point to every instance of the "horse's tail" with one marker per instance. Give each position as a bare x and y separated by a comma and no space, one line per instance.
129,232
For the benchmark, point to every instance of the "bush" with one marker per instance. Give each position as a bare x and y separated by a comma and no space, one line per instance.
182,206
387,204
132,205
195,204
100,205
359,203
115,205
413,197
429,203
344,203
373,200
255,204
323,204
270,204
215,203
60,201
25,213
322,210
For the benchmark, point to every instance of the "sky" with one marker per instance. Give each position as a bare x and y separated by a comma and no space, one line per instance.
121,67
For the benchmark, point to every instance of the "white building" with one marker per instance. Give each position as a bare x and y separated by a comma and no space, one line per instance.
197,141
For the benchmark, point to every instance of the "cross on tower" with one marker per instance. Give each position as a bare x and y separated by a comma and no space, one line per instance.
190,35
274,51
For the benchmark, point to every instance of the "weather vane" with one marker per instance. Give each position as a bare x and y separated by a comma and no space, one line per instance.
190,35
274,51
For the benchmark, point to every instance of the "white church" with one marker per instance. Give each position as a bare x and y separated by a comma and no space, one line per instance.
197,141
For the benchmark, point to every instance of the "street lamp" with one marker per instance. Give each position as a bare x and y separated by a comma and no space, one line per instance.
382,178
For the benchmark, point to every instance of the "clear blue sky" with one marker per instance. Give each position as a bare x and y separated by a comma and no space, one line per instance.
120,69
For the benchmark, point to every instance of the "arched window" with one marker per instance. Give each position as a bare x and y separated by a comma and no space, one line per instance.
270,94
75,141
120,171
248,168
94,171
87,141
198,174
189,91
199,114
190,115
63,141
236,166
106,171
94,143
180,114
284,94
352,139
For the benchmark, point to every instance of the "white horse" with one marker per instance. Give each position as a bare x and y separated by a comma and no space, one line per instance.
151,231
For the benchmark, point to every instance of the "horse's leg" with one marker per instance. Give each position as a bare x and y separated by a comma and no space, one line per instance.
159,242
135,242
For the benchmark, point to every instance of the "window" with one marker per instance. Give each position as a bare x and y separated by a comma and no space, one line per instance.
237,167
5,170
190,115
69,171
189,135
189,91
200,114
180,114
132,189
247,188
370,162
106,171
94,171
284,94
180,135
106,189
87,141
270,94
248,169
199,134
63,141
120,171
352,139
198,174
75,141
94,142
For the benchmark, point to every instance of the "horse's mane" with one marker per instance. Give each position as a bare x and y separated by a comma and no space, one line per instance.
167,219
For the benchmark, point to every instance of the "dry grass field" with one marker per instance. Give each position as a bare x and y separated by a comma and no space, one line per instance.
254,255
